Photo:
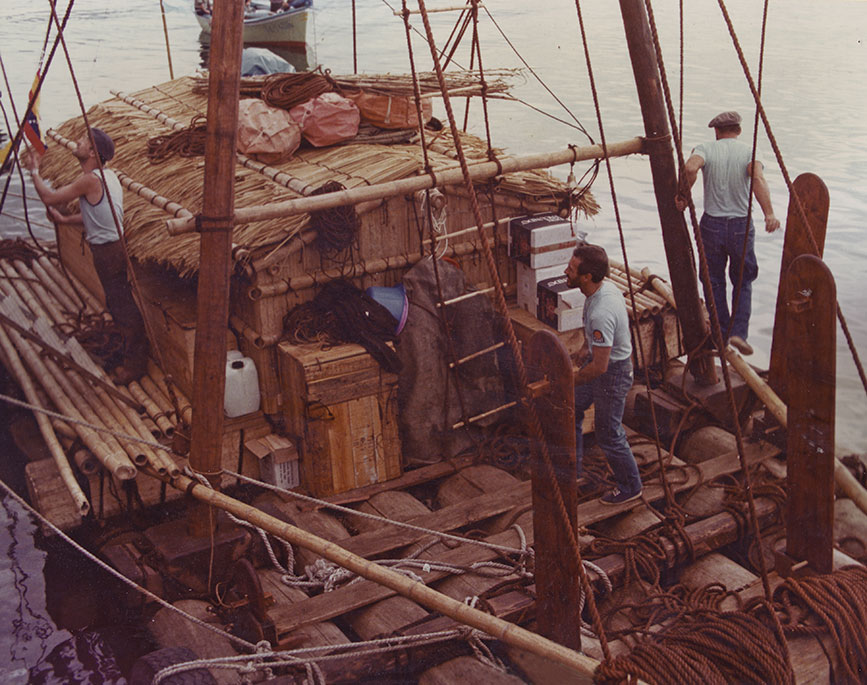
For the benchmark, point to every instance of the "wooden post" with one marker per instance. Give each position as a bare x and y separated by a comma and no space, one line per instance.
558,591
811,346
675,236
218,206
813,196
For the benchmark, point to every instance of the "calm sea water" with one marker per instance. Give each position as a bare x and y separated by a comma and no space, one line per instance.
815,94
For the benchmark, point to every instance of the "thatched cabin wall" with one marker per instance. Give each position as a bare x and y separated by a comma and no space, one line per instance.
388,231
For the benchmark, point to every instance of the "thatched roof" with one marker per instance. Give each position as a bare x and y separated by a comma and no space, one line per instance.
180,179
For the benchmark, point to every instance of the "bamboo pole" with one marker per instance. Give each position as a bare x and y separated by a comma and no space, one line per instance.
843,477
169,206
157,414
662,288
184,409
374,266
408,186
59,294
56,384
509,633
26,384
105,448
63,282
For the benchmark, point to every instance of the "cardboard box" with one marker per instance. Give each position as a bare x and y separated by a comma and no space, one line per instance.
558,305
542,240
528,280
277,460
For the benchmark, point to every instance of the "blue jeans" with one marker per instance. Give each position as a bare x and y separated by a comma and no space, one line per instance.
608,394
723,240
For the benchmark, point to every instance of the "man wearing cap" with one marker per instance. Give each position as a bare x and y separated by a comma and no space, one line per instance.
727,169
98,190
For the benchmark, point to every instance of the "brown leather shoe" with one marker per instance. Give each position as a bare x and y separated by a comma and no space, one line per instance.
741,345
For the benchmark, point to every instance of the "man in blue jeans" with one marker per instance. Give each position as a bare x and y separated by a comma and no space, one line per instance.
726,231
605,375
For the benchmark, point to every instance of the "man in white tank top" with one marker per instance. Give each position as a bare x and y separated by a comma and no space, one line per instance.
100,215
726,231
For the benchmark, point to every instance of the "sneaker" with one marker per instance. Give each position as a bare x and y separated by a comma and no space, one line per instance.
741,345
617,496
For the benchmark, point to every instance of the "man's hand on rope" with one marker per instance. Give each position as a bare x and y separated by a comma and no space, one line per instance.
681,201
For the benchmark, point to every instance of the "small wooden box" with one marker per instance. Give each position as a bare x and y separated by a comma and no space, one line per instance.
342,408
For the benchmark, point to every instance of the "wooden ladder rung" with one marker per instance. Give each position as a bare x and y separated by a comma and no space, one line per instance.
466,296
479,417
472,356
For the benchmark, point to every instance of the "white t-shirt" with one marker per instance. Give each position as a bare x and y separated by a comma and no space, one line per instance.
726,181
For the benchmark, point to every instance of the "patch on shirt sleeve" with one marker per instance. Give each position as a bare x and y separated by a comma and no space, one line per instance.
597,336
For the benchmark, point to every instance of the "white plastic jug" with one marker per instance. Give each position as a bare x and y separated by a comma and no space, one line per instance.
242,385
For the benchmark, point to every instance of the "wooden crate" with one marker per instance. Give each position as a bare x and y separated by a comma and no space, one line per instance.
342,409
170,305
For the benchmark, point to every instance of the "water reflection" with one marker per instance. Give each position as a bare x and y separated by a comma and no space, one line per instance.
32,635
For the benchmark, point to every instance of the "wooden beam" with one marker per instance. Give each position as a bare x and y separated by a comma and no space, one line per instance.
811,354
812,194
218,204
558,588
675,236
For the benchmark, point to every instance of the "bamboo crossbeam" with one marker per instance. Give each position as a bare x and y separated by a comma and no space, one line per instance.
475,355
278,176
467,296
842,476
509,633
464,231
479,417
169,206
408,186
45,428
374,266
433,10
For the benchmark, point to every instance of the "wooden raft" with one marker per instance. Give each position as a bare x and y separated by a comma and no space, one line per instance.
342,408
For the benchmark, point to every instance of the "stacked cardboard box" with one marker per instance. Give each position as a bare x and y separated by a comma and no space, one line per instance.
542,245
559,306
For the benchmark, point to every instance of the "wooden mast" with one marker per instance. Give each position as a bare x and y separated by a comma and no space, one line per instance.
218,206
674,232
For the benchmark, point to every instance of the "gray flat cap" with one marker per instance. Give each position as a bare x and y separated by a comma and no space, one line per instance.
725,119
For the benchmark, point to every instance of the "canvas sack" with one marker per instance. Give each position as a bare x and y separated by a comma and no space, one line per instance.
266,133
327,119
390,111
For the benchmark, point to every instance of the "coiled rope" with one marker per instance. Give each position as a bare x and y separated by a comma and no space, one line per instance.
189,142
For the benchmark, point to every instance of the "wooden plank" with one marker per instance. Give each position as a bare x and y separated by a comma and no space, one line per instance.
558,588
363,593
814,198
50,497
348,386
389,538
811,332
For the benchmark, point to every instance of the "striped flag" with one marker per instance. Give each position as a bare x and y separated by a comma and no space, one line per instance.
31,125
